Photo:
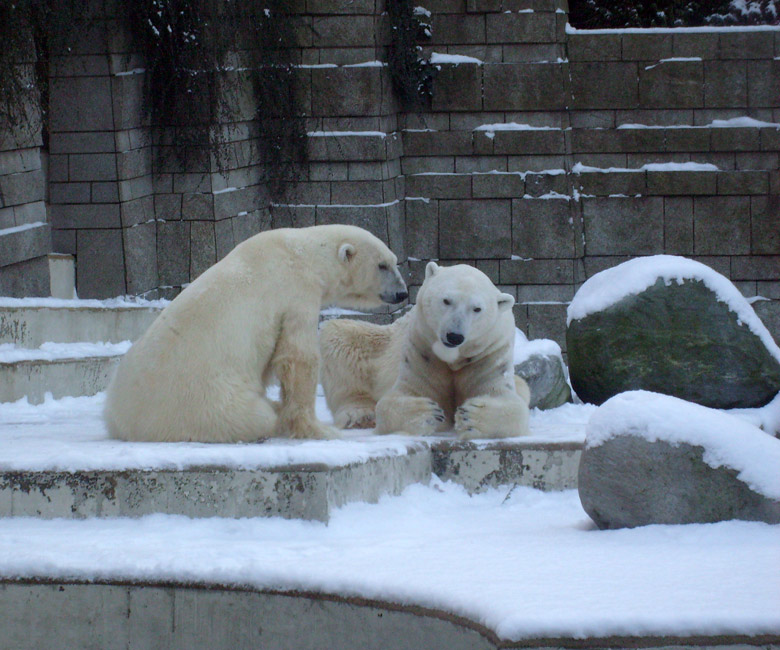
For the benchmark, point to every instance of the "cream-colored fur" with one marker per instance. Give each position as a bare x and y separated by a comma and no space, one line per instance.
418,376
201,370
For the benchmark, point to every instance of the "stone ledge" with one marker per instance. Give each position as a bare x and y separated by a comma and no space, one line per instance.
25,242
306,491
30,326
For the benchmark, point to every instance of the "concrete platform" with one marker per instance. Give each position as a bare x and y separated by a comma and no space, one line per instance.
80,616
304,491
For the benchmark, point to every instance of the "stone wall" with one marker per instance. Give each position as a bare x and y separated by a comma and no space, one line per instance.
24,230
544,155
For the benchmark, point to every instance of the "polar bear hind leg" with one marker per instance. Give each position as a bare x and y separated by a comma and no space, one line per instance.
349,349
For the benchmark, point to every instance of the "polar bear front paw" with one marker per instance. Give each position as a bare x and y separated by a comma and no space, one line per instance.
355,418
417,416
491,417
468,418
423,416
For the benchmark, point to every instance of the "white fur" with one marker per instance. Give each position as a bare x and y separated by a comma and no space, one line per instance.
201,370
409,377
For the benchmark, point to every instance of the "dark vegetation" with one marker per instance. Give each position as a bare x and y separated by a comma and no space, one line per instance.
594,14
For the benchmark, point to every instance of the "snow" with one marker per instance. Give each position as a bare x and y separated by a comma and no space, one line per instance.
455,59
10,353
521,562
630,278
339,134
675,30
69,435
524,349
579,168
514,126
732,123
60,303
727,440
27,226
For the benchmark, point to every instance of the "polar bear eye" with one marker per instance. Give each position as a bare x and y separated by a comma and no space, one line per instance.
383,267
446,301
477,309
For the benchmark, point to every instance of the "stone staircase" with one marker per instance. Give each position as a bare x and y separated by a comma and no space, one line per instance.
63,348
69,349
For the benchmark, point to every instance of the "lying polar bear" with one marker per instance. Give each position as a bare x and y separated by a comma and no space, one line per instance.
201,370
446,364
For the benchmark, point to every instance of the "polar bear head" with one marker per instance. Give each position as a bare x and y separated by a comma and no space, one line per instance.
463,308
369,271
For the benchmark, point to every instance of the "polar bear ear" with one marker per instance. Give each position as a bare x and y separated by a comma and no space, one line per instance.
431,269
346,252
505,301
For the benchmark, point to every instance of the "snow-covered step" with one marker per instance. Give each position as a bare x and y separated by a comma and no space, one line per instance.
294,491
56,460
59,369
30,322
275,479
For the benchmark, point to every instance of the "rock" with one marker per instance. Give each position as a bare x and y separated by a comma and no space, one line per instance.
546,377
540,363
654,459
683,330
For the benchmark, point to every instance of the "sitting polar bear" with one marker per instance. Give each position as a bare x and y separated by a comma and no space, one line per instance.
201,370
447,363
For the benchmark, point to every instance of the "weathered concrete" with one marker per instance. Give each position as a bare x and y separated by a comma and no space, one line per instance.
477,467
104,616
294,492
61,378
29,327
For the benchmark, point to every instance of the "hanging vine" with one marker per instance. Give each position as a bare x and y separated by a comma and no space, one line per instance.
200,55
201,58
31,31
411,75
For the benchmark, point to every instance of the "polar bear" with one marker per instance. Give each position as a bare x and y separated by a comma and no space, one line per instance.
201,370
446,364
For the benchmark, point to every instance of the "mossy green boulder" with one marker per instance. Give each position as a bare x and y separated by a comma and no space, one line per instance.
674,338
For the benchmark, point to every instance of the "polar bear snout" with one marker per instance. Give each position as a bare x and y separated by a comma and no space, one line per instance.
453,339
393,288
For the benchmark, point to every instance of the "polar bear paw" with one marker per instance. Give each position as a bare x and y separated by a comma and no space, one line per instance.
355,417
423,416
469,418
417,416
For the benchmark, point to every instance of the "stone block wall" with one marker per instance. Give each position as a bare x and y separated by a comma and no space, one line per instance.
25,237
545,155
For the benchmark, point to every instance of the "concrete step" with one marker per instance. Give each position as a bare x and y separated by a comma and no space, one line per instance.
293,490
64,370
30,323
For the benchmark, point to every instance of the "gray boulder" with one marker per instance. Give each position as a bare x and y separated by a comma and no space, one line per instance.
676,338
638,469
546,377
